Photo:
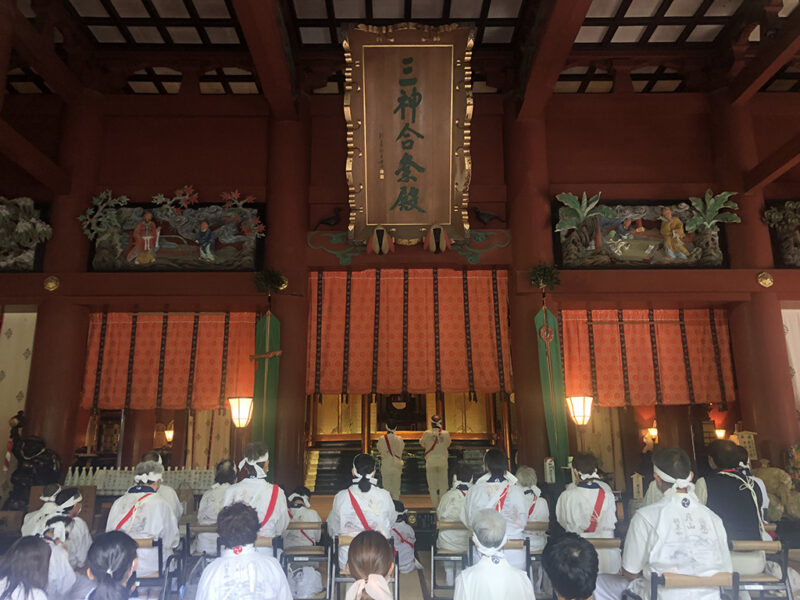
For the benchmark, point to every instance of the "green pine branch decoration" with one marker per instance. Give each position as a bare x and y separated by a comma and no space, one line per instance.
270,280
544,276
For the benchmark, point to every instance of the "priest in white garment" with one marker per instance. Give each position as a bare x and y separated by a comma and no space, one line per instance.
266,498
143,514
677,534
300,511
35,520
390,447
60,576
492,578
241,572
449,510
70,504
496,490
361,507
435,443
165,491
588,508
210,504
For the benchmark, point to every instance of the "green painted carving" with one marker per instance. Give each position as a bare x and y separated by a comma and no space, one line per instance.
336,243
480,242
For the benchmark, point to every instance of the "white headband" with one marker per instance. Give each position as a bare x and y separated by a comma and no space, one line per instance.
303,497
391,429
592,475
498,551
436,423
678,484
151,476
507,476
52,498
71,502
260,474
400,513
59,529
744,465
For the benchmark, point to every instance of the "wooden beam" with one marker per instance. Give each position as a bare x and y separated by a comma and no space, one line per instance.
262,25
552,50
772,55
37,51
24,154
6,29
776,164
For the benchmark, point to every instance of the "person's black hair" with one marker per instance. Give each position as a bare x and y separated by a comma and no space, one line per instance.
58,519
743,455
50,489
496,462
253,451
67,494
585,463
464,472
302,491
725,454
226,472
364,465
237,525
109,559
571,564
151,455
673,461
399,507
24,566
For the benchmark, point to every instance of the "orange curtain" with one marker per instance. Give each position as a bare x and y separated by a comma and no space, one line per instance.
148,364
647,357
343,327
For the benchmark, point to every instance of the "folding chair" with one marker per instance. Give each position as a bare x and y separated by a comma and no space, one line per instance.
452,557
676,581
604,543
765,582
340,576
316,553
535,556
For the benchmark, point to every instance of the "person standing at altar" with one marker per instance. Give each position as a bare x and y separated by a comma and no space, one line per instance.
588,508
391,448
165,491
143,514
266,498
436,441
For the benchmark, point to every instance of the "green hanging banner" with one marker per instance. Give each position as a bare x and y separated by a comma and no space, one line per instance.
265,392
552,377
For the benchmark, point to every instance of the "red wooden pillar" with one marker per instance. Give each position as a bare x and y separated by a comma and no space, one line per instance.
287,222
529,221
59,350
5,46
759,348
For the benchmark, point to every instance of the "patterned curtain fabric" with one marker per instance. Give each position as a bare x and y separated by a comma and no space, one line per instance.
170,361
352,351
791,329
210,439
644,357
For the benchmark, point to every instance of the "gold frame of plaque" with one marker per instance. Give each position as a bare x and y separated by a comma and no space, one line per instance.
408,140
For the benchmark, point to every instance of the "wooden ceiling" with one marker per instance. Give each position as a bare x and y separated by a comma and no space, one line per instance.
146,46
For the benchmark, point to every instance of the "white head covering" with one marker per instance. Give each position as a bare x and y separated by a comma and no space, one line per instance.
375,585
59,530
260,474
492,523
677,483
302,497
68,504
51,498
436,422
592,475
358,476
507,476
391,429
148,471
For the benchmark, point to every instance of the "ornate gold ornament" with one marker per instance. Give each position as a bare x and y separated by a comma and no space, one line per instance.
51,283
765,279
397,78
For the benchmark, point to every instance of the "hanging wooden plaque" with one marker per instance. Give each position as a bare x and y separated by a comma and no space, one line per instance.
408,106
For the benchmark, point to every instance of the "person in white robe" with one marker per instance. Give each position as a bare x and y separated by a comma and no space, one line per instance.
571,563
305,581
240,572
362,506
449,511
496,490
492,577
435,443
538,509
143,514
33,522
390,447
210,504
266,498
677,534
60,576
70,503
24,565
404,538
165,491
588,508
